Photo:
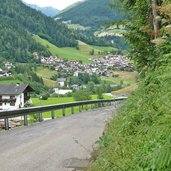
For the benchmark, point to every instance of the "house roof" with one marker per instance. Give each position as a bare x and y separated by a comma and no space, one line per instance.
14,89
61,79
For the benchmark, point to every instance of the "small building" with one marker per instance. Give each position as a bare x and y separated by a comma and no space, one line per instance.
62,81
14,96
61,91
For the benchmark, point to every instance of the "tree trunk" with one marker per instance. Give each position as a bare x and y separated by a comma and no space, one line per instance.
155,19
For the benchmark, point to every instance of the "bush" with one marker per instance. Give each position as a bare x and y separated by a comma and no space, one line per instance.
44,97
139,137
82,95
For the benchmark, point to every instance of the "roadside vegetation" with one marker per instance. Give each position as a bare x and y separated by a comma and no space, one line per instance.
138,138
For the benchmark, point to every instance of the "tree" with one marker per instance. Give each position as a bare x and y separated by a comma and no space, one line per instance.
99,92
82,95
92,52
148,38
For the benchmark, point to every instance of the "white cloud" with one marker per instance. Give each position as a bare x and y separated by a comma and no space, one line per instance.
59,4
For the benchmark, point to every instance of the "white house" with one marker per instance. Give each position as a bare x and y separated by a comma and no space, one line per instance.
61,81
62,92
14,96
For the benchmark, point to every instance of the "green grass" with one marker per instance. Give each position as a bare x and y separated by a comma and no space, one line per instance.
10,81
46,74
77,27
71,53
85,49
59,100
126,77
120,31
138,138
109,31
65,53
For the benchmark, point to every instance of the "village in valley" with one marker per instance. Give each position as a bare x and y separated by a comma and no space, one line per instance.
100,66
103,66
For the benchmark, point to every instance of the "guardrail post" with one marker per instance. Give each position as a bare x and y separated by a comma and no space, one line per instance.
86,107
72,110
53,114
25,120
63,111
40,117
80,109
6,123
92,107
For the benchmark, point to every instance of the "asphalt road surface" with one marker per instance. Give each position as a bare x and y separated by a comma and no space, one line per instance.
62,144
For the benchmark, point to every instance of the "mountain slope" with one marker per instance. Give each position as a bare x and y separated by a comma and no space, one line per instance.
18,23
91,13
49,11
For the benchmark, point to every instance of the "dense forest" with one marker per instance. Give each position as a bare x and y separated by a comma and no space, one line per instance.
139,137
18,23
91,13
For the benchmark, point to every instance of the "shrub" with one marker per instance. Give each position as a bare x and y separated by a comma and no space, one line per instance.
82,95
44,97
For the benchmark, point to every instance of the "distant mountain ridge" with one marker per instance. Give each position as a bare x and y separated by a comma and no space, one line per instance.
91,13
49,11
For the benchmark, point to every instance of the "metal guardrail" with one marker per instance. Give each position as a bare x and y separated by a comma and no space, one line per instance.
6,114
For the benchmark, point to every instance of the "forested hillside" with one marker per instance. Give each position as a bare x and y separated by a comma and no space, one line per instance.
91,13
18,23
139,137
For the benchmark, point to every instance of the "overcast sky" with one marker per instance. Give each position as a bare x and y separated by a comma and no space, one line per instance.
59,4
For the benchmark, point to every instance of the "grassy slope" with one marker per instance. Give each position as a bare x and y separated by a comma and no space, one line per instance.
109,31
126,77
85,49
9,81
46,74
66,52
138,139
72,53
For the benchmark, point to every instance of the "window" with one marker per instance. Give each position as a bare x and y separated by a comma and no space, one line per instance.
0,100
12,100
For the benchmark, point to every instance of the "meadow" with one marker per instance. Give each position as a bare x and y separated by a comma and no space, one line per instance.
46,75
60,100
70,53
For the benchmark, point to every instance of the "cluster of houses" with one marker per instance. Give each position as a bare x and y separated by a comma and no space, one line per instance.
117,62
101,65
17,95
7,71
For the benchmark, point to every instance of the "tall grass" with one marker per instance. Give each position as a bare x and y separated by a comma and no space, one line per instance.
139,138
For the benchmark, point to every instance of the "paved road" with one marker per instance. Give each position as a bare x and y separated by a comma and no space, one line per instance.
54,145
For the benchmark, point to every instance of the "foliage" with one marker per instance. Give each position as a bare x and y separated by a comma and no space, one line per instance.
99,93
91,13
82,95
17,25
25,73
44,97
139,137
148,36
85,78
